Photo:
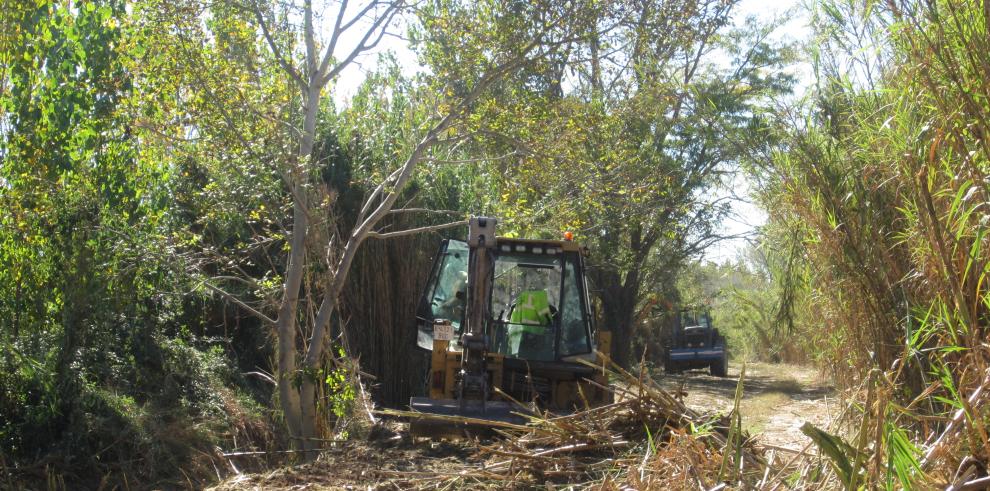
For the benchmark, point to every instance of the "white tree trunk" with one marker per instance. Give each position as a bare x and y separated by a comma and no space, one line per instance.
286,324
291,402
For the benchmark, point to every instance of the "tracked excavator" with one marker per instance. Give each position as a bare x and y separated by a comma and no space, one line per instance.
509,326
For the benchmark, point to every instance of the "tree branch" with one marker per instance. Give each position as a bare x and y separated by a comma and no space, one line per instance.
334,37
424,210
375,193
379,27
240,303
362,13
276,52
310,40
412,231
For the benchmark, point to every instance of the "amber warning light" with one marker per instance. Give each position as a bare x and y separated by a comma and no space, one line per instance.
568,236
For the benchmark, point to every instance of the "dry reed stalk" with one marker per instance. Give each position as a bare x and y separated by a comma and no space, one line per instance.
646,440
937,445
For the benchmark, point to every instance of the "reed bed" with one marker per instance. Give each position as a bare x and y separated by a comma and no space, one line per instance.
881,190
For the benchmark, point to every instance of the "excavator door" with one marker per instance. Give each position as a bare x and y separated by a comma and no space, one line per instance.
446,292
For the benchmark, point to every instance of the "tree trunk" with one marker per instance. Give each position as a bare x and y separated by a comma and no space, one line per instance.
310,425
288,310
619,306
619,297
286,328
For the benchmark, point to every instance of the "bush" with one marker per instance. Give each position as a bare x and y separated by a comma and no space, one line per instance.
164,429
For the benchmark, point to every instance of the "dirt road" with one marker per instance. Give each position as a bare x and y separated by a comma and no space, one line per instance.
777,399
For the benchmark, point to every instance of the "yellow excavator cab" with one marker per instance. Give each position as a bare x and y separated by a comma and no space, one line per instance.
508,320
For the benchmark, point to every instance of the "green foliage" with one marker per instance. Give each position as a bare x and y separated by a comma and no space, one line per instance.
29,401
100,376
841,455
903,457
883,185
341,387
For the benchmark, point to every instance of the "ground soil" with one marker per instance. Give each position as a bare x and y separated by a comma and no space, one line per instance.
777,399
386,459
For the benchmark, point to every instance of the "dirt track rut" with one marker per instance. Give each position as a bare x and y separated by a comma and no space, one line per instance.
777,399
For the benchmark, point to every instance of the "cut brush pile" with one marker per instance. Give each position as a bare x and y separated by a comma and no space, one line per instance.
648,439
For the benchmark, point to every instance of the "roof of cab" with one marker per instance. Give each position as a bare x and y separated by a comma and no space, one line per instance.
565,245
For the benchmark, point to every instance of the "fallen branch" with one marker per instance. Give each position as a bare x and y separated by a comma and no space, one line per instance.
452,419
647,439
981,483
274,452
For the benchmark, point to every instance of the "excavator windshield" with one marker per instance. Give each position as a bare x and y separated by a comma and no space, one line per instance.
538,306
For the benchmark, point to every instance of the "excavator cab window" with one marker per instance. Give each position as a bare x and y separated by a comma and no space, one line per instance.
575,318
538,306
538,310
525,300
446,292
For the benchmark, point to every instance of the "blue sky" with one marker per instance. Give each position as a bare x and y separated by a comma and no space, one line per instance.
746,216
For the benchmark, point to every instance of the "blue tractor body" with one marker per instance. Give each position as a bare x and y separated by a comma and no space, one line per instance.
695,343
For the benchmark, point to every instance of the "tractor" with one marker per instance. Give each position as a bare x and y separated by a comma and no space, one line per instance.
695,343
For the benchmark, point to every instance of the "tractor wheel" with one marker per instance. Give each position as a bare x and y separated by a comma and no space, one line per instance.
720,367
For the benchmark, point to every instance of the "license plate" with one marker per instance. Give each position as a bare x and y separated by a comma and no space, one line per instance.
443,332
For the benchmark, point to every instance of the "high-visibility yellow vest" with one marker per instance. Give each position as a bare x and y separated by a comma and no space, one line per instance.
531,314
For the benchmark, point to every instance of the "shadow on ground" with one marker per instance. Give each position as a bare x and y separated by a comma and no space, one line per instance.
777,399
794,382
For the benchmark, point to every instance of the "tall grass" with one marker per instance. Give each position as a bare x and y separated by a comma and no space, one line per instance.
886,183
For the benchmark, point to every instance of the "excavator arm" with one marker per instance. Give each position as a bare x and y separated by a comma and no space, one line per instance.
473,377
